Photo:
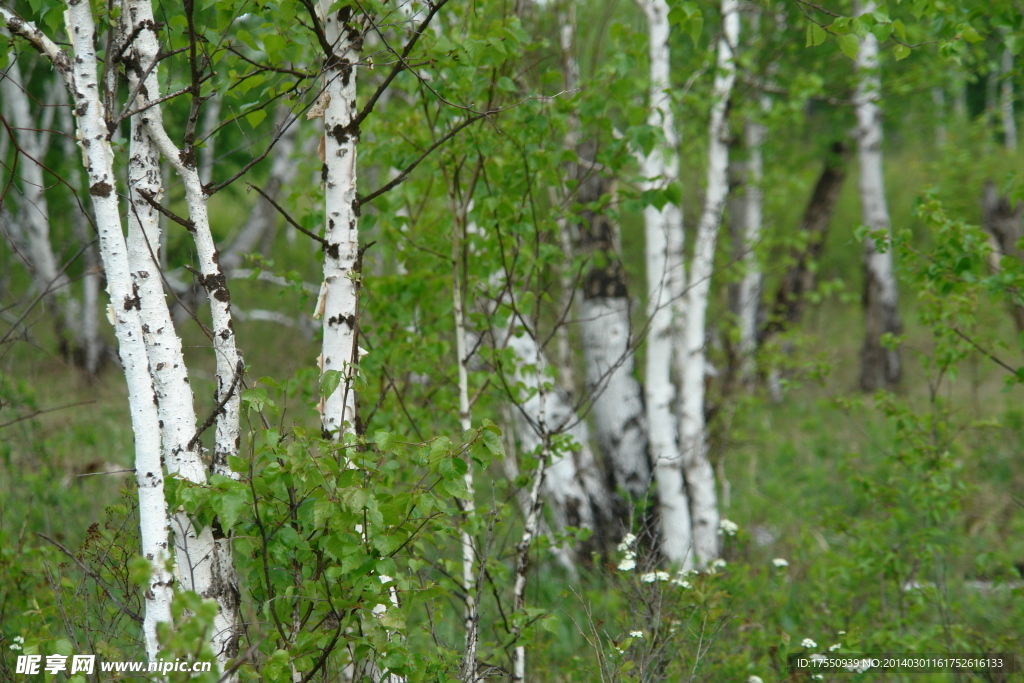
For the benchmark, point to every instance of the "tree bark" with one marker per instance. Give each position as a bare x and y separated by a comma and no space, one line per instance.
1002,221
663,231
204,562
615,394
880,366
700,478
80,77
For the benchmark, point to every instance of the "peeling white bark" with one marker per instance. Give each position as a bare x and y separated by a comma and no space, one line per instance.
749,295
204,563
700,477
663,231
880,367
341,279
80,77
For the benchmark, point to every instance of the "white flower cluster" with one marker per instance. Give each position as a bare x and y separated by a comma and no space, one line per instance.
780,563
755,679
18,642
716,565
807,642
728,527
651,577
834,647
636,634
628,562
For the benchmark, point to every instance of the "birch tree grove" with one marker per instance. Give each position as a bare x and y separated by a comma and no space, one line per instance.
459,419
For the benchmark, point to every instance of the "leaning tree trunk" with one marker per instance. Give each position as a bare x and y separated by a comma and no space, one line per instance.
700,477
880,366
663,230
1002,221
80,77
800,279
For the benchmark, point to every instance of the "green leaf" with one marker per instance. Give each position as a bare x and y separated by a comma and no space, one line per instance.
452,468
329,382
900,52
815,35
850,45
229,506
970,34
256,117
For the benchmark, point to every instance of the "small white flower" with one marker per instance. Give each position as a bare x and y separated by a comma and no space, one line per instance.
627,543
716,565
661,576
817,677
842,633
628,563
780,563
834,647
15,646
636,634
649,577
680,580
807,642
379,609
754,679
19,639
728,527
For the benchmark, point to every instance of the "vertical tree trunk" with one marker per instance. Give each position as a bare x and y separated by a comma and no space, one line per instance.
1006,102
604,312
339,296
880,366
1002,221
205,561
748,295
80,76
700,478
663,231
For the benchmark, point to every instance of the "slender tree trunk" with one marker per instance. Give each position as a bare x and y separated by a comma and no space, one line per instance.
472,617
880,366
700,477
205,561
1006,102
663,230
339,296
80,76
748,296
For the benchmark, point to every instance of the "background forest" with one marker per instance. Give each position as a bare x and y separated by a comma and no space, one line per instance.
404,340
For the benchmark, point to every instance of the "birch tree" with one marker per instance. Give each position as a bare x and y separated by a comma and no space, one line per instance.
80,75
880,365
663,232
699,474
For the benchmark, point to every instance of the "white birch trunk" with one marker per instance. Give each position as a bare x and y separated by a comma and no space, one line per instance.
204,562
471,619
80,76
339,297
700,477
1006,102
880,367
663,230
572,485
